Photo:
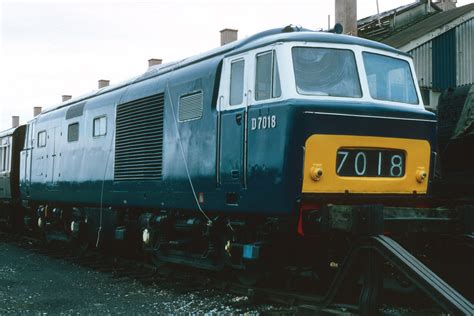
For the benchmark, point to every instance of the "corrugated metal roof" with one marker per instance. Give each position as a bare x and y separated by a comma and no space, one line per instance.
382,15
426,26
380,26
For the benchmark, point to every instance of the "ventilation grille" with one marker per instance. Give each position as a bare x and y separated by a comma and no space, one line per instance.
139,139
190,107
75,111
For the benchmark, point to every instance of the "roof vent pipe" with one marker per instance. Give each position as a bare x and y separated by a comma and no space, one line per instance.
228,36
37,110
66,97
154,61
103,83
15,121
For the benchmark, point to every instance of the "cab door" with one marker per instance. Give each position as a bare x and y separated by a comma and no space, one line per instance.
26,160
233,101
53,154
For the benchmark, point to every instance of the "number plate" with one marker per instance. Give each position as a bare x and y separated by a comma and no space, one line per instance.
352,162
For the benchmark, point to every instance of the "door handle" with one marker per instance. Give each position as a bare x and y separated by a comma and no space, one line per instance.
238,118
221,101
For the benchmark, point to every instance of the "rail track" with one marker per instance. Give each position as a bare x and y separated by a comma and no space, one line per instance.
122,268
293,302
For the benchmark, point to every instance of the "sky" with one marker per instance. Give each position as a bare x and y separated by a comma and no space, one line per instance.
51,48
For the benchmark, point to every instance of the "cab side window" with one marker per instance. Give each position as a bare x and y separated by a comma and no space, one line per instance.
99,126
267,77
73,132
4,156
41,139
237,82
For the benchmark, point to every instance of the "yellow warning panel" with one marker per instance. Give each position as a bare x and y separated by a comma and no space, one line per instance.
365,164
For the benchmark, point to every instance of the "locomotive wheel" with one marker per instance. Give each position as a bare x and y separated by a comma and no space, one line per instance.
154,257
81,245
250,276
43,237
157,262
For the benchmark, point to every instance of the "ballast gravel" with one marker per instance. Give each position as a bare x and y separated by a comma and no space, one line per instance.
31,283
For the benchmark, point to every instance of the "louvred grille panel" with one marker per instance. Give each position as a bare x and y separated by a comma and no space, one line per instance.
139,139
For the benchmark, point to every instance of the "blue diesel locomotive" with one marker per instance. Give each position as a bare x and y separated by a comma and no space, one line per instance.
229,158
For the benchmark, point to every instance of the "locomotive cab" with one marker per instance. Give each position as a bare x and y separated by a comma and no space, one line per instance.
321,115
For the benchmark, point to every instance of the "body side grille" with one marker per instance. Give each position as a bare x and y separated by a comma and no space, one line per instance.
139,139
75,110
190,107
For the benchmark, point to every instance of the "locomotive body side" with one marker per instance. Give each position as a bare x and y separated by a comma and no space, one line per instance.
239,137
236,155
11,143
6,142
73,162
63,161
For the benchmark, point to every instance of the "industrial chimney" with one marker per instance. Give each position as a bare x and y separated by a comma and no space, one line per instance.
346,15
66,97
103,83
228,36
15,121
154,61
37,110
